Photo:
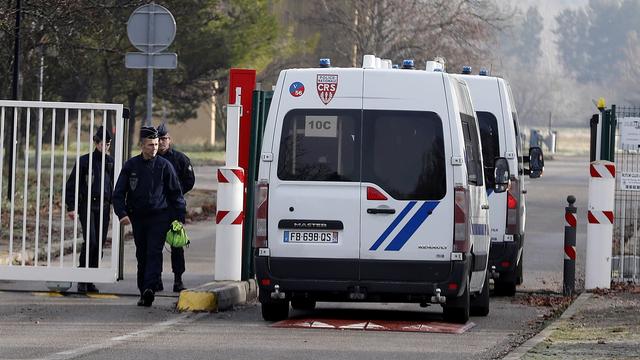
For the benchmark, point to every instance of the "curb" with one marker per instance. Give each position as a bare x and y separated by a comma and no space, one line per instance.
521,350
217,296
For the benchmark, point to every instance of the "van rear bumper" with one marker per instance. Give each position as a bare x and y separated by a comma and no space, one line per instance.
507,251
335,279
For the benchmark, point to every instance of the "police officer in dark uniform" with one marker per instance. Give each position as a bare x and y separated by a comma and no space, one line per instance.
149,197
184,170
90,235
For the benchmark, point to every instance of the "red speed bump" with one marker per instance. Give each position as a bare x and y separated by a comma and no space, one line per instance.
376,325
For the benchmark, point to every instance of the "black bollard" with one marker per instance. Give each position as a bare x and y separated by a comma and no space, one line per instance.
569,275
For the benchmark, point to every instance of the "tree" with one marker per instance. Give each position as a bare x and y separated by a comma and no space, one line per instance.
399,29
591,40
522,42
87,41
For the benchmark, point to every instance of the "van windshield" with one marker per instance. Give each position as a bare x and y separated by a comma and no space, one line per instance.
320,145
490,143
403,153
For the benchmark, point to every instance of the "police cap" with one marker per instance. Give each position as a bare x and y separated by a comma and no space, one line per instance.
163,130
148,132
98,136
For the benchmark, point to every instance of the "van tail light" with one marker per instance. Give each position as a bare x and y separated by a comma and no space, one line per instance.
262,207
462,222
512,207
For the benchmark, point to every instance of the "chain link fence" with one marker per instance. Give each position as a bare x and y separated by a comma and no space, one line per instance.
625,262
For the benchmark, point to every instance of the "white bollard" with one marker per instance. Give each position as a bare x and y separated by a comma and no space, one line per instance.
602,184
233,135
229,220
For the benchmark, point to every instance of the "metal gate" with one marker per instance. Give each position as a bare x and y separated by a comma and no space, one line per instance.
37,239
626,232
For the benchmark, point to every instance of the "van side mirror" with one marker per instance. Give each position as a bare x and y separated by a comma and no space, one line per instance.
536,162
501,175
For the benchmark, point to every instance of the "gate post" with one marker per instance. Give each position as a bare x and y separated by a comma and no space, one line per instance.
600,228
569,274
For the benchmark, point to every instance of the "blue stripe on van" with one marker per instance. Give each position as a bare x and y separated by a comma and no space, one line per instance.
479,229
412,226
393,225
489,191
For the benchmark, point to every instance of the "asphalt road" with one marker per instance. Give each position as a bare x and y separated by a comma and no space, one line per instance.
41,326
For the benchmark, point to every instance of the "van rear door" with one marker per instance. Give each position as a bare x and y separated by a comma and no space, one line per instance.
406,212
314,187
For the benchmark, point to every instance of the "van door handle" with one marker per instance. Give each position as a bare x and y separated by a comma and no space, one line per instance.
485,207
381,211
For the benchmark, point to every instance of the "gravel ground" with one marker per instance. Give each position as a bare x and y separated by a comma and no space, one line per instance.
606,327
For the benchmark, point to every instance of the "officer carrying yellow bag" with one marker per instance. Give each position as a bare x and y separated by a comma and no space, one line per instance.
177,235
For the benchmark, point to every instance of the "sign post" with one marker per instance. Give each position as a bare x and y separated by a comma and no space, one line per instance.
151,29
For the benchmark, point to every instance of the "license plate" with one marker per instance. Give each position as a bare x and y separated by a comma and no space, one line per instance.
311,237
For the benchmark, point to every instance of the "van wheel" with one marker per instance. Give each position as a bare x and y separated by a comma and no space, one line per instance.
519,270
505,288
480,302
275,311
303,304
457,309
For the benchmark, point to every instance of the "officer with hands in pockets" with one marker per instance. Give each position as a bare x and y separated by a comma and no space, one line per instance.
82,168
148,196
182,165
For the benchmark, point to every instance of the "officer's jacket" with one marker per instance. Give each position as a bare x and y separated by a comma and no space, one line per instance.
146,187
182,165
83,169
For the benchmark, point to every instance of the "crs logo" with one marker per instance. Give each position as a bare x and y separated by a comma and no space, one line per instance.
326,85
296,89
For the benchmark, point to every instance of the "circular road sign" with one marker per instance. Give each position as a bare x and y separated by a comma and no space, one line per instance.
151,28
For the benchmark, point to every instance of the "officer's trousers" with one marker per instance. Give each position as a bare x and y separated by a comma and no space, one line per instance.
91,235
177,260
149,234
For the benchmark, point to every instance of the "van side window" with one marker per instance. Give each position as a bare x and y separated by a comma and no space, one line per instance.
320,145
490,144
471,151
403,153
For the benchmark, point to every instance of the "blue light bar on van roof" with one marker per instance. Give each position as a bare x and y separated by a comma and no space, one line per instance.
325,62
466,70
408,64
483,72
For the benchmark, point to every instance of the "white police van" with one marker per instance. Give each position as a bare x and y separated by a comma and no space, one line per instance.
371,188
500,136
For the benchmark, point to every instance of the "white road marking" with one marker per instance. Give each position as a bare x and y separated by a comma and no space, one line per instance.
118,340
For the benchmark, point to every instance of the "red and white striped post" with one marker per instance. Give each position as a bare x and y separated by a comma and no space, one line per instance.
602,183
569,273
229,220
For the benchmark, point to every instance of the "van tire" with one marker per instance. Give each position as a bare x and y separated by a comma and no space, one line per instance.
275,311
480,302
303,304
505,288
519,271
457,309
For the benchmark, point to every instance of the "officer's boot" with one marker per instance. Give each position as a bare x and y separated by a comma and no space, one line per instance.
82,288
91,287
177,283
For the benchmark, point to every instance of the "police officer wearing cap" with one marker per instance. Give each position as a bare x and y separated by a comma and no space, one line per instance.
90,234
184,170
148,196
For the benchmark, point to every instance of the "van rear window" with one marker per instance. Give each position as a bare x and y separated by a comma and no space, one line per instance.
320,145
403,153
